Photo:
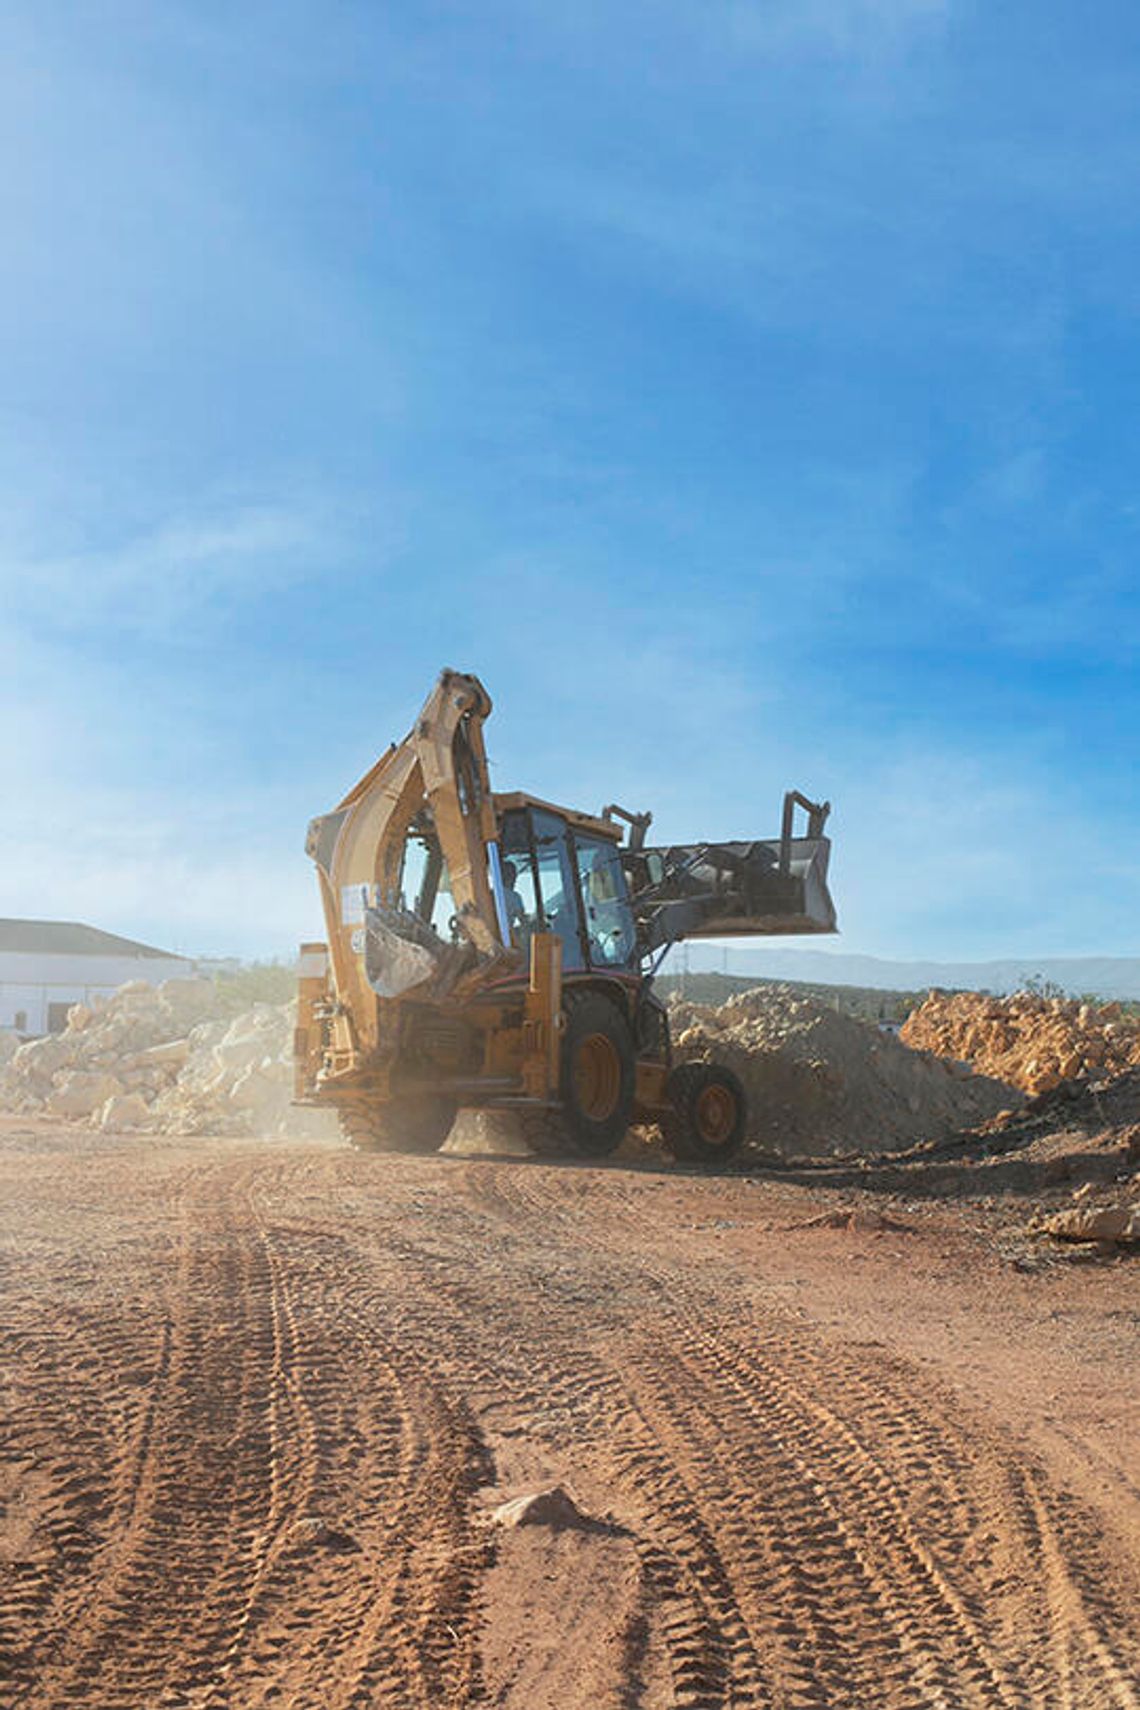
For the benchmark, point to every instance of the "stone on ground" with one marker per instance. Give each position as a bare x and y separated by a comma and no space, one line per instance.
553,1507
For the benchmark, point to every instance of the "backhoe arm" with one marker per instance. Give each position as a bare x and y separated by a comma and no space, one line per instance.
358,848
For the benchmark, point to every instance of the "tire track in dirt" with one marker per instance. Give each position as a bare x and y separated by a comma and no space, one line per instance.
945,1488
194,1486
711,1645
420,1625
56,1469
440,1314
274,1493
88,1381
397,1471
875,1594
842,1522
1092,1667
710,1650
544,1380
294,1450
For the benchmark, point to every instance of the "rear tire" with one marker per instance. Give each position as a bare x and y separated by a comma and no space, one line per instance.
707,1117
596,1083
415,1125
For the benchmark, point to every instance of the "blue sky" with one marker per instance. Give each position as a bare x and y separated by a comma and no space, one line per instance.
748,392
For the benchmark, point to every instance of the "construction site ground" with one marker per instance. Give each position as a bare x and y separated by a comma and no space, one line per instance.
839,1437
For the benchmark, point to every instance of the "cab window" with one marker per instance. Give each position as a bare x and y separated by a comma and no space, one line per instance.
605,902
519,890
557,885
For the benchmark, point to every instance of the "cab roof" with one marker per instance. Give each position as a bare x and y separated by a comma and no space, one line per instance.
513,799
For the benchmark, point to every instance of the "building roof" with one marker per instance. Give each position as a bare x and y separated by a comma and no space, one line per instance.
71,938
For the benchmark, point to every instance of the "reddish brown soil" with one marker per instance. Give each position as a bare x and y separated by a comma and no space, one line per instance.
262,1400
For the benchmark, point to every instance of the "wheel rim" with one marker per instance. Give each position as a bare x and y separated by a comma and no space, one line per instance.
715,1115
597,1077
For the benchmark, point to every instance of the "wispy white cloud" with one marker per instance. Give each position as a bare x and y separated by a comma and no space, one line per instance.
856,29
974,850
134,765
123,811
672,35
141,866
185,570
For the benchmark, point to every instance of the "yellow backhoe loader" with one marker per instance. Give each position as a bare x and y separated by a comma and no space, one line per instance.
496,951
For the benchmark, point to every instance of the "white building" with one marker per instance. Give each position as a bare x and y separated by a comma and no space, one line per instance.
47,965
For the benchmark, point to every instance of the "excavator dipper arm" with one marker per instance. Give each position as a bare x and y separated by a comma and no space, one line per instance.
437,776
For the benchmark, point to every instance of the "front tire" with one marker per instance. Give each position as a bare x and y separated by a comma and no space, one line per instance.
707,1117
596,1083
416,1125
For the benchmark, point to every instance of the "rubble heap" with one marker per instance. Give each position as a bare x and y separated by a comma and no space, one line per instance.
166,1059
819,1081
1032,1042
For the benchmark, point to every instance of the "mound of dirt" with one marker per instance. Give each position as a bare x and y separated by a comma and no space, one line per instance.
1032,1042
819,1081
164,1059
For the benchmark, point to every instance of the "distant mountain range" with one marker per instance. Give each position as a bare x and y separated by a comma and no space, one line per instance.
1102,976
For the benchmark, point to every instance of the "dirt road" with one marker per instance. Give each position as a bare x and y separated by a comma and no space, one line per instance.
263,1400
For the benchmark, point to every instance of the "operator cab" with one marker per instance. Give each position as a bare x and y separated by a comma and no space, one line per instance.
564,875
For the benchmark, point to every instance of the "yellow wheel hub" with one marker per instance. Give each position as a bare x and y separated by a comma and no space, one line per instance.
715,1115
597,1077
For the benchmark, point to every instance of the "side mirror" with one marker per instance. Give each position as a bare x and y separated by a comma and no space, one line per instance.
655,867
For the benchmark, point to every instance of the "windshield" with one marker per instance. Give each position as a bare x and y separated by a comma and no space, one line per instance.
605,902
539,882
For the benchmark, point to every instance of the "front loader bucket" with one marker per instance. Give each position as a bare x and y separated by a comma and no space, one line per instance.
770,887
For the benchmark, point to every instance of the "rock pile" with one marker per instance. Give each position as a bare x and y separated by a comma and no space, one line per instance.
819,1081
165,1059
1032,1042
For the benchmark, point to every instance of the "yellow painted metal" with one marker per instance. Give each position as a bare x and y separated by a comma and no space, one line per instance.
715,1115
649,1087
597,1075
312,978
442,760
347,1053
504,1046
458,787
542,1017
505,800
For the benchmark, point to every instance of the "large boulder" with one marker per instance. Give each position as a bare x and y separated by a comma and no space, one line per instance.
31,1073
257,1088
78,1092
123,1111
1115,1223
